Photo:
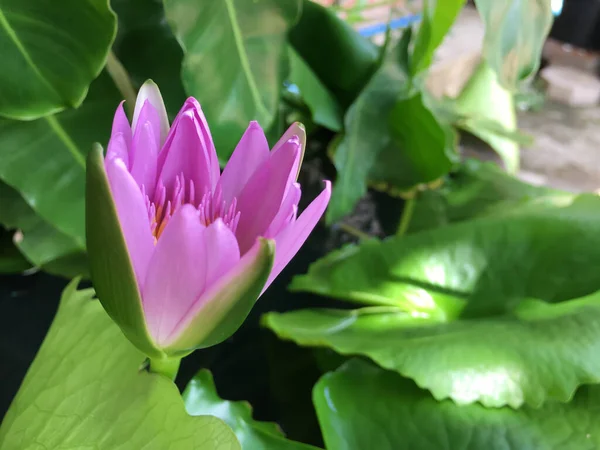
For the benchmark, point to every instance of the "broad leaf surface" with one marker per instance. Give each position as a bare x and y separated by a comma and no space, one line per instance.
540,251
43,246
148,49
341,58
85,389
323,106
367,135
465,286
201,398
540,352
44,159
234,55
50,55
423,146
362,406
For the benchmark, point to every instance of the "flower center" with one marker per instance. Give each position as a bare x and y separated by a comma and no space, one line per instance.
210,207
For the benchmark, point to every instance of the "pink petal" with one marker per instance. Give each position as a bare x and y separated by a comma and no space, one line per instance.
293,144
221,249
176,273
150,93
261,198
118,149
207,140
295,130
289,241
121,125
221,254
133,216
143,168
225,294
287,211
185,153
250,153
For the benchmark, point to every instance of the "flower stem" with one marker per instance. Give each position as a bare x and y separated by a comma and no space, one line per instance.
121,78
167,367
407,212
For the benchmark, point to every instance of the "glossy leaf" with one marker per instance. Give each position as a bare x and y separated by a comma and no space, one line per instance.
341,58
45,159
436,19
515,32
85,389
441,281
49,58
323,106
488,112
147,48
201,399
362,406
110,265
234,55
541,352
545,251
43,246
423,146
476,189
367,135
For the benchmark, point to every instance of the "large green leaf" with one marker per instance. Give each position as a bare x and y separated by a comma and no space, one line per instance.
436,19
234,55
361,406
433,288
476,189
45,159
323,106
86,389
43,246
541,250
541,352
367,134
147,48
423,149
487,110
341,58
515,32
201,398
50,55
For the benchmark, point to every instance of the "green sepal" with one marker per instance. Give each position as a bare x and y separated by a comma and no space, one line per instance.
110,265
224,314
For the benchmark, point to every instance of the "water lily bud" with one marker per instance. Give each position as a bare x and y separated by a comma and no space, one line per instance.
179,251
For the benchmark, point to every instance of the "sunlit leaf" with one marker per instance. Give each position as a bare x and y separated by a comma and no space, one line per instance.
86,389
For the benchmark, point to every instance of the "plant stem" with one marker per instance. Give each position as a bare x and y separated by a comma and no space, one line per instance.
354,231
167,367
121,78
407,212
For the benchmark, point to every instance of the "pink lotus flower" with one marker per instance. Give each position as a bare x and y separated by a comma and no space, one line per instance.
199,241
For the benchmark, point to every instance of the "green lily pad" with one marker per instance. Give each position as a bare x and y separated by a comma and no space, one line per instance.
361,406
541,352
87,389
201,398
